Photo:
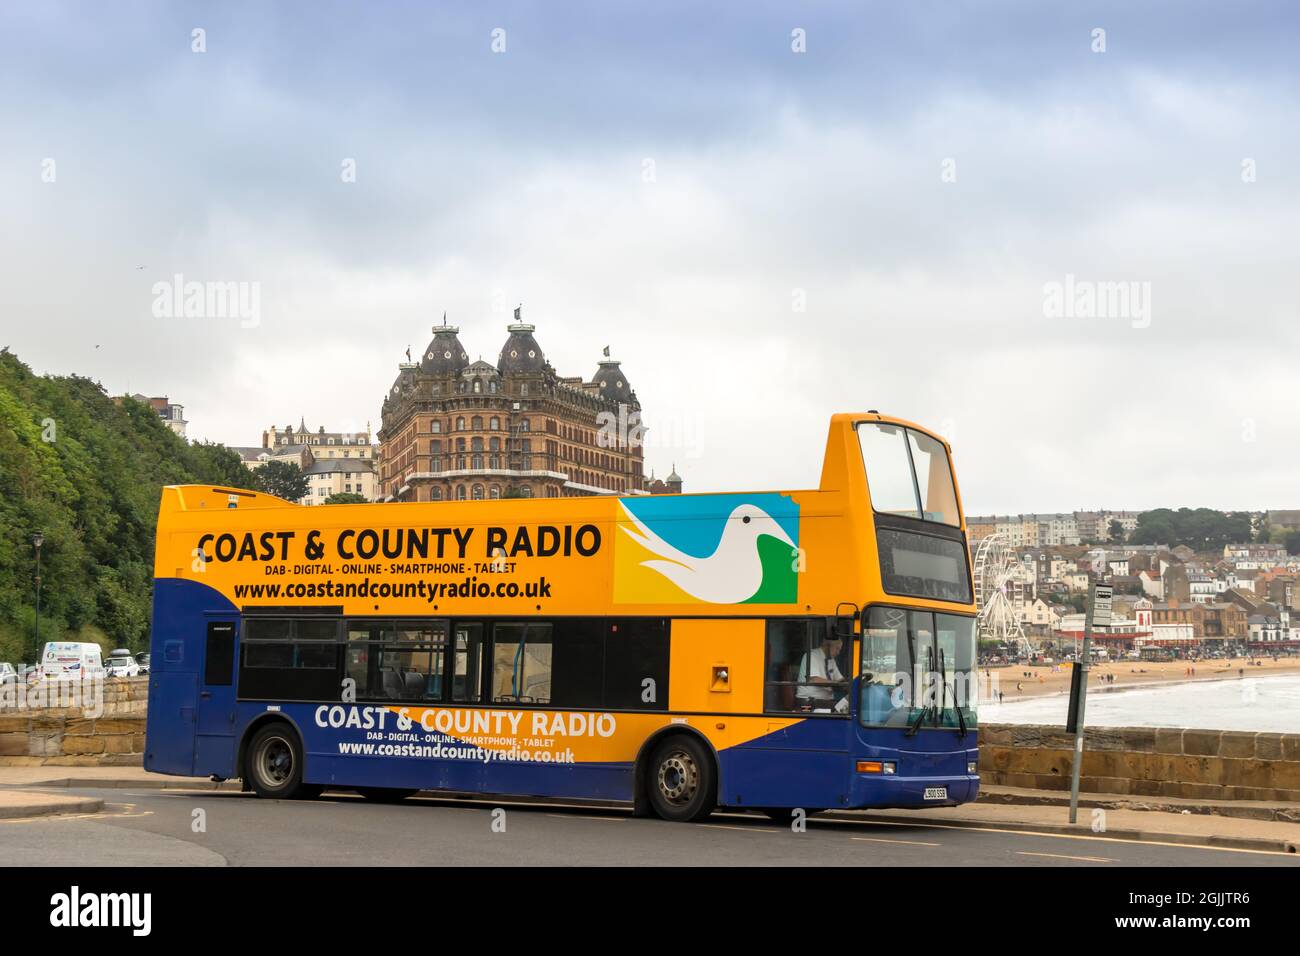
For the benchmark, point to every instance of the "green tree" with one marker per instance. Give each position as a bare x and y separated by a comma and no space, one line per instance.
283,479
1201,529
1116,530
87,471
346,498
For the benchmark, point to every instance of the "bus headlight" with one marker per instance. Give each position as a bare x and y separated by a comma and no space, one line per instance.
877,766
972,767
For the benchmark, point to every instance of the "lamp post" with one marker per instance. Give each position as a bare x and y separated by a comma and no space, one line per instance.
38,539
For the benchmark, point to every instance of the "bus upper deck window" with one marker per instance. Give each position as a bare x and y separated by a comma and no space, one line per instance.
907,473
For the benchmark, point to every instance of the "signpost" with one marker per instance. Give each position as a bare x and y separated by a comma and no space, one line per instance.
1098,615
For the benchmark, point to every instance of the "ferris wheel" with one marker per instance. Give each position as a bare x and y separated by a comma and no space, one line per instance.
996,573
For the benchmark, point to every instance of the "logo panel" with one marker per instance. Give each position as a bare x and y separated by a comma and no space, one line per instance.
707,549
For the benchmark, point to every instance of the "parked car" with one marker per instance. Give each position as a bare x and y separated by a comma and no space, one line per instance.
120,663
143,660
8,675
71,659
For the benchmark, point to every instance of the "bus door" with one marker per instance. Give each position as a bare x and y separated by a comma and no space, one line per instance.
802,760
214,736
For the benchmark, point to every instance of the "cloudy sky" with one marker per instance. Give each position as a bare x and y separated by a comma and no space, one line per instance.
763,236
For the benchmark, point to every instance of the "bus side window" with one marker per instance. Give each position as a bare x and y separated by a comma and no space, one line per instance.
521,663
806,667
467,663
636,663
219,655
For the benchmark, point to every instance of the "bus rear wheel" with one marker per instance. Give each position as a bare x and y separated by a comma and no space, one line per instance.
682,783
385,794
274,763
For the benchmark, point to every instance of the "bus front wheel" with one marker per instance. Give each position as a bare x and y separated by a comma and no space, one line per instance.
275,763
682,782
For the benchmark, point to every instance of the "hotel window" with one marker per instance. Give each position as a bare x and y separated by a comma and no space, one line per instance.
477,423
494,492
435,427
494,423
478,492
460,424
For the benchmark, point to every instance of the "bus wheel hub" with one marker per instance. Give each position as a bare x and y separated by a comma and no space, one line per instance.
277,761
678,778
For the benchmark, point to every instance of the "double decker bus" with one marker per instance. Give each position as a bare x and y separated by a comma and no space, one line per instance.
768,651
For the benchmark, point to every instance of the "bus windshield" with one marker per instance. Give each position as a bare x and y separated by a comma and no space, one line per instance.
908,473
918,669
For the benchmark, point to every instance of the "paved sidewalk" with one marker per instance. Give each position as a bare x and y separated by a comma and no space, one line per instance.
23,803
105,777
1280,811
1195,829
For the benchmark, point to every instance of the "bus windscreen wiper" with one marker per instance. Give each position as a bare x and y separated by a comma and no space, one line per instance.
920,718
956,705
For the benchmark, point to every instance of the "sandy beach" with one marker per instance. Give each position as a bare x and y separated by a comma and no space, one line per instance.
1055,678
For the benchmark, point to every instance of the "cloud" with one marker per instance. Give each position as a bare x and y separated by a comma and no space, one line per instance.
795,252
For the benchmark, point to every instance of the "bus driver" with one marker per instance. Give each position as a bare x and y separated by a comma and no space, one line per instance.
819,676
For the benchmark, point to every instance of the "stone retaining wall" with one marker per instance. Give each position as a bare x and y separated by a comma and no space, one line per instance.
1145,761
67,737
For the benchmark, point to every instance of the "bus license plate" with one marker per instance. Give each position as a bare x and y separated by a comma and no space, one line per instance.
936,793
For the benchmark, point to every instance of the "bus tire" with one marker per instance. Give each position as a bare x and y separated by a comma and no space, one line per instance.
274,763
682,782
385,794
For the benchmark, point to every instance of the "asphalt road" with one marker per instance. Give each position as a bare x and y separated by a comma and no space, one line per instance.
148,827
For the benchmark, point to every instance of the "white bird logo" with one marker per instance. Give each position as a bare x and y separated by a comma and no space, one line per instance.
731,574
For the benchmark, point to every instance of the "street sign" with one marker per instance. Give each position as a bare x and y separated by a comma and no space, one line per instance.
1101,605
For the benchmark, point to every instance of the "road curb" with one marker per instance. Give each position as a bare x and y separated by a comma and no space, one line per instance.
41,806
1065,829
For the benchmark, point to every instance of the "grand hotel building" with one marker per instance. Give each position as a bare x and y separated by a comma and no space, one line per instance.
456,429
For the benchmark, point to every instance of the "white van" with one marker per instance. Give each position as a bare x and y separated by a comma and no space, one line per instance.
67,659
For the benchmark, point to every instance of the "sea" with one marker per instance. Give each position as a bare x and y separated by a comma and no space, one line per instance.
1270,704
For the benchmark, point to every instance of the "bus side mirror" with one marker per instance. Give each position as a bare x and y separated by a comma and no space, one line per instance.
844,621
